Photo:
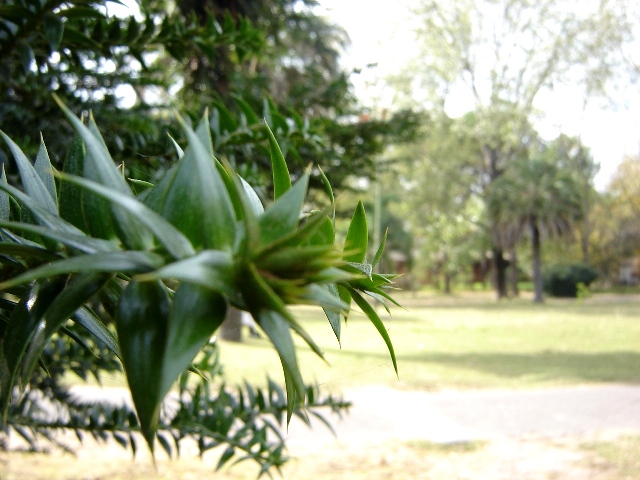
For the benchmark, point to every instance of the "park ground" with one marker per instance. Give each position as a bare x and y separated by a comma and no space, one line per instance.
487,390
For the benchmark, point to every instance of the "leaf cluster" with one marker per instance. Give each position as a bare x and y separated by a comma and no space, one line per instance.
166,263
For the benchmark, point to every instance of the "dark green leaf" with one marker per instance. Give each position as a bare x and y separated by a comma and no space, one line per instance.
70,195
212,269
90,322
332,315
380,250
31,181
79,242
355,245
164,443
74,296
195,315
281,177
43,216
169,237
44,169
53,30
24,323
225,457
282,217
193,197
27,57
26,251
375,319
277,329
329,190
142,323
98,163
127,262
5,208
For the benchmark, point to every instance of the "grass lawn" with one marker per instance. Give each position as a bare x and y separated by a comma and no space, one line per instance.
467,341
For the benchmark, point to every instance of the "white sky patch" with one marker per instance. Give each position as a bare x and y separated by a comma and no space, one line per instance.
380,33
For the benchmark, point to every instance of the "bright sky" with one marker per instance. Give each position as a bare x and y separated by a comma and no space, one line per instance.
379,35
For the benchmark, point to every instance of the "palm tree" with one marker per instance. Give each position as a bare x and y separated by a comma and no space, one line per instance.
539,197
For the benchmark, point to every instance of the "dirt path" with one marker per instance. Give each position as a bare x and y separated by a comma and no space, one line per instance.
381,413
404,435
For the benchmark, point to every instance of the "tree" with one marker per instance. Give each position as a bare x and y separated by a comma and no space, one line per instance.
84,55
439,174
501,57
537,196
616,220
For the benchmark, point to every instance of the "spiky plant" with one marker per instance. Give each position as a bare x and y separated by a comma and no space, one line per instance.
169,262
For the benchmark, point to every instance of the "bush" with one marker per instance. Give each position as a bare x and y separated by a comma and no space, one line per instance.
149,278
563,280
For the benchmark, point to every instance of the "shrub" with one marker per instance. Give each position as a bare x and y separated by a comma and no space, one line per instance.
563,280
164,266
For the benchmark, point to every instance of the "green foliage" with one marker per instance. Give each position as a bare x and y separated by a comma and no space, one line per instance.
84,54
246,419
169,263
568,280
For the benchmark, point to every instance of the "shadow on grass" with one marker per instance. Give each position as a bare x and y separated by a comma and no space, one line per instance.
547,366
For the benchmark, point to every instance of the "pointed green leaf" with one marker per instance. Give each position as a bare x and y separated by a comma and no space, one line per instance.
329,190
24,323
5,207
254,200
212,269
203,132
248,207
345,296
277,329
179,150
31,182
298,237
378,255
169,237
225,457
44,169
282,217
141,323
355,245
246,109
53,30
79,242
43,216
196,313
99,167
70,199
126,262
26,251
281,177
332,315
321,296
325,234
375,319
259,295
74,296
194,198
91,323
98,163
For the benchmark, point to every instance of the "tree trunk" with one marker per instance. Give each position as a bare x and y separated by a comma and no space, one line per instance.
500,272
491,158
537,264
447,283
584,240
513,273
231,328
